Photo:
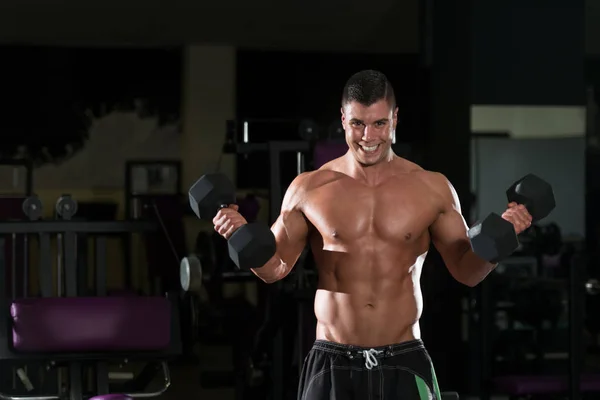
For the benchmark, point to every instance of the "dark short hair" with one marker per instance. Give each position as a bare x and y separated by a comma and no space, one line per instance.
368,87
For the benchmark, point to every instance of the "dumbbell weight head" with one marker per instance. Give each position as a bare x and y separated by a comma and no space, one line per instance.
210,193
66,206
308,130
190,274
494,238
535,194
252,245
336,130
32,208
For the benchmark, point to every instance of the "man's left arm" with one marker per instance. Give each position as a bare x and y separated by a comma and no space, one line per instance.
449,235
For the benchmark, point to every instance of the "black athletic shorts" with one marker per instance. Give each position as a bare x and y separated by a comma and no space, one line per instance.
344,372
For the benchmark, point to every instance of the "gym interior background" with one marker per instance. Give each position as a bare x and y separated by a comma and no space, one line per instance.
123,106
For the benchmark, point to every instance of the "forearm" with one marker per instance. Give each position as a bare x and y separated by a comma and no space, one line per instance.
472,269
274,270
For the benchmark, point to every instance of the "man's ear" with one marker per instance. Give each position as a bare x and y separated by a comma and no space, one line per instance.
395,117
343,117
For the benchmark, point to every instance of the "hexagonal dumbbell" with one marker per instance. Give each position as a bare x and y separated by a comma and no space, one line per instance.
494,238
251,245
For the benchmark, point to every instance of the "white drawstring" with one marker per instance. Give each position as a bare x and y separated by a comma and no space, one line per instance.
370,359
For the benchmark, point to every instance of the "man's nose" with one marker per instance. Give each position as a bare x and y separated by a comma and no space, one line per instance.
368,133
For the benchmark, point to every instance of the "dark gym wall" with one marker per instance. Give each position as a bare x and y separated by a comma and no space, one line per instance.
309,85
522,46
69,107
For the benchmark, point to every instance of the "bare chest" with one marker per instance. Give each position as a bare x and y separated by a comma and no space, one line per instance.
347,211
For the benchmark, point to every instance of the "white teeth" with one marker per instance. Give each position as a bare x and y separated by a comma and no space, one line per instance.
369,149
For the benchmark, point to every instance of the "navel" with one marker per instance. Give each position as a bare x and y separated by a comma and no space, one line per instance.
408,236
334,234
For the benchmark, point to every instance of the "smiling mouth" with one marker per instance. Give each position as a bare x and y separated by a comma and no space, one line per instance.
369,149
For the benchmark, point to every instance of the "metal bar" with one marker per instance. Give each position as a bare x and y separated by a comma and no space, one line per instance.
128,170
175,345
60,279
45,265
102,385
163,389
82,265
75,381
9,397
76,226
4,303
25,265
142,356
576,315
100,256
128,256
13,265
70,262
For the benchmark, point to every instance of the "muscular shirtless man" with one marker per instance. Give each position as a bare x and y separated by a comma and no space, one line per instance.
369,217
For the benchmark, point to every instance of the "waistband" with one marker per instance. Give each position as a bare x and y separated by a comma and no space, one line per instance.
378,352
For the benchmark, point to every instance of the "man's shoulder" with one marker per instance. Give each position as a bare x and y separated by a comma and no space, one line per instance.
432,178
436,181
429,177
307,182
441,187
311,180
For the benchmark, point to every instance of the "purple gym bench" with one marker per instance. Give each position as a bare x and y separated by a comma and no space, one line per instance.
71,330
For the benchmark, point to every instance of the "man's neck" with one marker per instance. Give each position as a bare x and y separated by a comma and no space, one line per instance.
372,175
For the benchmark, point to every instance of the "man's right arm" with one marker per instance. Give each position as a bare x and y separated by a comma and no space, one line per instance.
291,233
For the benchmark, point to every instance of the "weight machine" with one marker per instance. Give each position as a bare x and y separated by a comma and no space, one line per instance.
274,149
23,340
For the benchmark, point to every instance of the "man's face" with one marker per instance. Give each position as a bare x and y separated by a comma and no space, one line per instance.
369,130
